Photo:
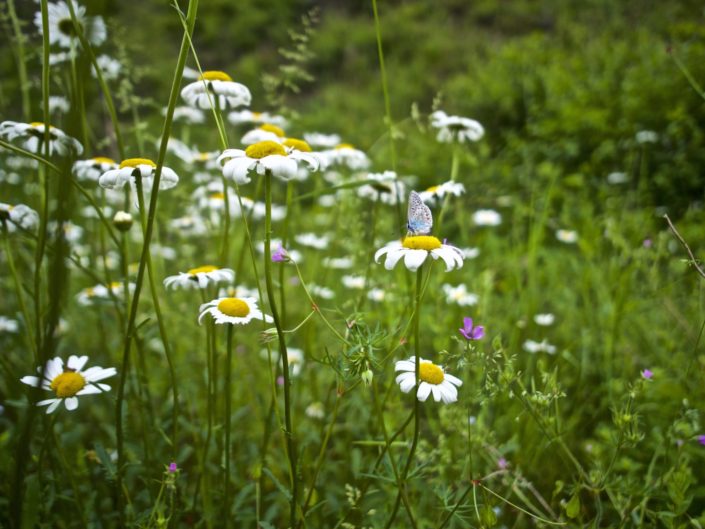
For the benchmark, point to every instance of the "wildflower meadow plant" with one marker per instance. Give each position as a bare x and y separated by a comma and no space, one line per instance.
325,300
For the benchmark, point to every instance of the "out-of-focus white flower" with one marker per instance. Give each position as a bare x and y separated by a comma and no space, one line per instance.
567,236
617,178
544,319
486,217
533,347
459,295
456,128
61,29
646,136
30,137
386,188
246,116
322,141
216,88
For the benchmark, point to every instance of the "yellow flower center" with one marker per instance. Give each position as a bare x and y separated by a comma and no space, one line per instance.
431,373
103,159
421,242
115,284
344,146
273,129
264,148
218,196
215,75
67,384
37,124
256,115
299,145
134,162
234,307
202,269
433,189
203,156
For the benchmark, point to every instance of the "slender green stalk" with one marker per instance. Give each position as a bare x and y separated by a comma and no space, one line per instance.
288,431
455,166
161,325
130,330
417,402
18,292
21,66
400,482
228,420
85,44
385,88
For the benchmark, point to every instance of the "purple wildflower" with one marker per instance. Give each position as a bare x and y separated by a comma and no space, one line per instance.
647,374
701,439
502,463
470,332
172,467
280,255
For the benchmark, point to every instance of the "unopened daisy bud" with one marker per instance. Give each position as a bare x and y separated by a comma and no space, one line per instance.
367,377
269,335
122,220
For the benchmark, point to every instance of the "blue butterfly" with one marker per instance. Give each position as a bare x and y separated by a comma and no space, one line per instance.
420,219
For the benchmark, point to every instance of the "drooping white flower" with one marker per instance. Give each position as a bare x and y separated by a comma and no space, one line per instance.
215,88
30,136
200,277
133,168
456,128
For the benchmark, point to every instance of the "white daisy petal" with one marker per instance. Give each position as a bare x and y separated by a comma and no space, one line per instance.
71,403
424,391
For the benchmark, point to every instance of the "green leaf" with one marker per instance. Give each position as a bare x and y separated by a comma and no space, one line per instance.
572,508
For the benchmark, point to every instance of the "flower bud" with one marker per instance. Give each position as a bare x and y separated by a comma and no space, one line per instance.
122,220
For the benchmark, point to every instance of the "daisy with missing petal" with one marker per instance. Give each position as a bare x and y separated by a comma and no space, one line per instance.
262,157
415,249
92,169
133,168
456,128
30,136
236,311
215,84
70,381
432,379
246,116
61,30
200,277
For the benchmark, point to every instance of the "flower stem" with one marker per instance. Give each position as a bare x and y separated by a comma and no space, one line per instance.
228,418
21,66
288,431
455,166
417,402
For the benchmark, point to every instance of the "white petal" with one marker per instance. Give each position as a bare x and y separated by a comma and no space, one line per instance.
95,374
452,379
408,383
77,362
405,365
89,390
414,258
393,258
424,391
71,403
436,389
30,381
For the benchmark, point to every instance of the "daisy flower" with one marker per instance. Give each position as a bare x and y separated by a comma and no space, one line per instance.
533,347
8,324
200,277
416,249
69,382
262,157
312,240
19,216
346,155
544,319
93,168
356,282
387,188
432,379
486,217
236,311
456,128
109,67
100,293
459,295
61,31
188,115
132,168
434,194
321,292
324,141
215,84
315,410
339,263
376,294
265,132
30,137
189,225
59,104
567,236
247,116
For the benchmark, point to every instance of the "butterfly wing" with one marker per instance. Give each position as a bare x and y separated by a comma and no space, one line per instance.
420,219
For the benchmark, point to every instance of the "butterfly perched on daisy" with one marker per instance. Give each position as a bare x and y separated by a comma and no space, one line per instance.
419,217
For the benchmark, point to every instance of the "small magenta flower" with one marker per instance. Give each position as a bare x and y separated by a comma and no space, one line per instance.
470,332
280,255
647,374
172,467
701,439
502,463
